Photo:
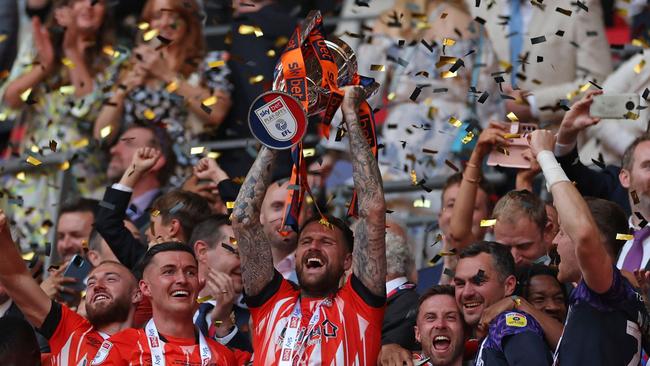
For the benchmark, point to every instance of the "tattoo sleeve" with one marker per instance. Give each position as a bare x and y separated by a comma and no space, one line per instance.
254,249
369,257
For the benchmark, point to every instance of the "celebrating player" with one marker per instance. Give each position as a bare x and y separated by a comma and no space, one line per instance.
318,322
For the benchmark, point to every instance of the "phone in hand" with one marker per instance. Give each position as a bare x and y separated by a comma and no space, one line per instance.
511,156
614,106
78,268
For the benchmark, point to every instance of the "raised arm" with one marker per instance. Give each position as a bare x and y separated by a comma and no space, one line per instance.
254,250
18,282
574,216
369,256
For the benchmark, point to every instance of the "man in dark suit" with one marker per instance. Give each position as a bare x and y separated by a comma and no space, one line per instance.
397,333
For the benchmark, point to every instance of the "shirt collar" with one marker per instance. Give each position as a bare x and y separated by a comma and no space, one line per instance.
5,307
395,283
143,201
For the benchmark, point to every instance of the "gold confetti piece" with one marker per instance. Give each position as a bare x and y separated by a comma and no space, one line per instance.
422,203
444,253
446,60
209,101
143,26
66,89
280,41
149,114
511,136
67,62
414,178
84,244
631,115
639,66
21,176
213,155
155,213
377,68
488,222
28,256
64,166
455,122
104,132
468,138
172,87
149,35
271,53
391,96
505,65
3,37
230,204
448,42
573,94
255,79
32,160
323,221
512,117
215,64
81,143
203,299
197,150
233,241
250,29
584,88
309,200
422,25
43,230
34,149
448,74
432,112
25,95
625,237
83,294
309,152
3,116
638,42
110,51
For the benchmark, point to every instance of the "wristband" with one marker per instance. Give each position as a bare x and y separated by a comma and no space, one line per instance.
551,168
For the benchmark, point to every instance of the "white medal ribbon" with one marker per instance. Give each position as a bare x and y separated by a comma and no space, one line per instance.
157,346
294,344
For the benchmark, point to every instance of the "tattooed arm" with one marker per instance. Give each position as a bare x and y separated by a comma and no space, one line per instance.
254,249
369,257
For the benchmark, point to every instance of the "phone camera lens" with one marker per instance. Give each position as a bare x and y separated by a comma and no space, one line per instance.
629,106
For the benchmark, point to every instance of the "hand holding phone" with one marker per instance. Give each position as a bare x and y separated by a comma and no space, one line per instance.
78,268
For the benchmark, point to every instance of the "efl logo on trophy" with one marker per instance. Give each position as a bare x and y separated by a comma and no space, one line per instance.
277,120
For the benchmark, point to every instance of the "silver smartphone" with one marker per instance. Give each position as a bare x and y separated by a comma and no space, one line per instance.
615,106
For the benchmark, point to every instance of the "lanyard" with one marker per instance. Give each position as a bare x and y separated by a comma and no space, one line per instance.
157,346
294,343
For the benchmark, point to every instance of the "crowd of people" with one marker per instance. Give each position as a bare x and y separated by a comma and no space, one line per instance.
171,242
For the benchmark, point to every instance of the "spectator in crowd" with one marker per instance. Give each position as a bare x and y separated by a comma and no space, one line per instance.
169,80
18,347
110,301
626,185
219,266
10,20
607,315
440,328
170,281
53,100
74,227
326,249
397,337
485,275
541,64
98,250
147,187
212,183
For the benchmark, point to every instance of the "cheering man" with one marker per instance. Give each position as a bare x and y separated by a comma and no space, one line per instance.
111,296
319,322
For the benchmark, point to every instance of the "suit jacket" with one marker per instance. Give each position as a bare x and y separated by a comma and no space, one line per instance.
43,343
601,183
568,61
109,222
399,320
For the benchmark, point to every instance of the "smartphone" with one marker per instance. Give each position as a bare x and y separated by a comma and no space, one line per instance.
614,106
512,155
78,268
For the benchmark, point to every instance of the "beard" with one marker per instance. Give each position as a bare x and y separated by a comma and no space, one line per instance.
319,286
104,314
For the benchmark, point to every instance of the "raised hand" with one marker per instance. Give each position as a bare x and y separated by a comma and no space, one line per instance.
208,168
490,137
153,62
133,78
222,290
541,140
145,158
525,177
577,118
43,44
65,17
54,285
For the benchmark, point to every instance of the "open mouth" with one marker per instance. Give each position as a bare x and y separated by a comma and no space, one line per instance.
181,294
101,297
471,305
441,343
314,263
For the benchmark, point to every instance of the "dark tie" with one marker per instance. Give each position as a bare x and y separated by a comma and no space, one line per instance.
634,256
201,321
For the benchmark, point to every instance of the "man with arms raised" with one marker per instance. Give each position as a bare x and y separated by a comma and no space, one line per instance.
606,316
110,301
440,328
170,281
319,322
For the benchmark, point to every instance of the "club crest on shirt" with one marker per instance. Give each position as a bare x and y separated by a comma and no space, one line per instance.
102,353
516,320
